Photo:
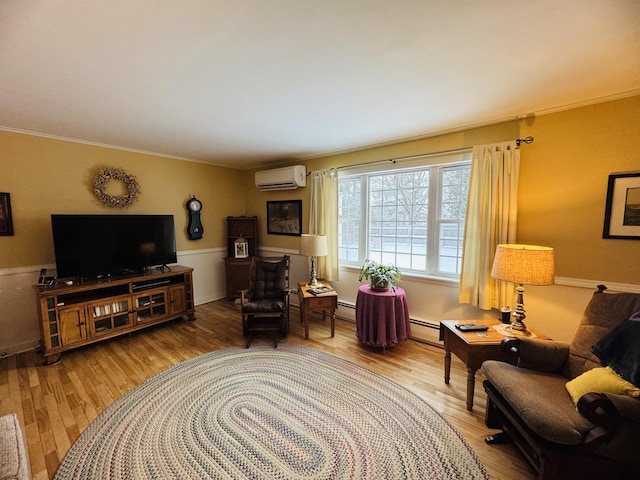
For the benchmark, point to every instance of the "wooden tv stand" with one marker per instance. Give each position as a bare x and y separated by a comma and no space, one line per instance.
75,315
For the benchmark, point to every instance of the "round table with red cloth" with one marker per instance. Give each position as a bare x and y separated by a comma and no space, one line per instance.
382,317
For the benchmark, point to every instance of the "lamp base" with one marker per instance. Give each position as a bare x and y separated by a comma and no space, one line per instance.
515,330
313,281
518,327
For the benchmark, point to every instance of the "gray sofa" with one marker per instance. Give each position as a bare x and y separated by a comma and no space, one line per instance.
14,464
599,436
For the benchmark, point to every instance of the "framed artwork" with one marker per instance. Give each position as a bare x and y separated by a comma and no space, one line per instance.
622,212
241,248
284,217
6,223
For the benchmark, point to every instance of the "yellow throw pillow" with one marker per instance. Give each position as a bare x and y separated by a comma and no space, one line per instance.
600,380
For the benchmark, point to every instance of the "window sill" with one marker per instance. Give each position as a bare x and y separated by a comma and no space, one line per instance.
412,277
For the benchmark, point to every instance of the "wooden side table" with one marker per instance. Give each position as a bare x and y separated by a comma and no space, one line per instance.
472,348
327,302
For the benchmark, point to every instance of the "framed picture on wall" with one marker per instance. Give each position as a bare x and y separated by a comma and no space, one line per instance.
6,223
622,212
284,217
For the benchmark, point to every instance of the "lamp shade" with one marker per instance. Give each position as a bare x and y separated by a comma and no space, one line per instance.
313,245
524,264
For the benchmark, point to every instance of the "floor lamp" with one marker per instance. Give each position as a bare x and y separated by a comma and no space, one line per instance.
524,265
313,246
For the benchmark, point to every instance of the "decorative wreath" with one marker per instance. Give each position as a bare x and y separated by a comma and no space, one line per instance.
118,201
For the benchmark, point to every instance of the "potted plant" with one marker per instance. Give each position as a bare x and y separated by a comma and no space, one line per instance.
381,276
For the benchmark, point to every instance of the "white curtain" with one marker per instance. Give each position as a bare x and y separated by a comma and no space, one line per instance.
323,219
491,218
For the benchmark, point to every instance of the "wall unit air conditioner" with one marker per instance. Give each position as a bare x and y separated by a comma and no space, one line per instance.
285,178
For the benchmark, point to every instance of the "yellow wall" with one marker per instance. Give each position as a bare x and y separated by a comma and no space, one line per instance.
256,201
563,187
46,176
563,183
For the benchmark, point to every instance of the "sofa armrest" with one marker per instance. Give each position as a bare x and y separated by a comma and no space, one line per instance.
511,346
600,411
628,407
537,354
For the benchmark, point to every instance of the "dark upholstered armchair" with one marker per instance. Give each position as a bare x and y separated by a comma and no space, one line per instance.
598,436
265,305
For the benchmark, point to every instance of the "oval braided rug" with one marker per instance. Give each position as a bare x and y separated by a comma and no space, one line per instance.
285,413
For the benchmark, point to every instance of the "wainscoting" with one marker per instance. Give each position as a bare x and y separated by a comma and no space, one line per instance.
18,310
554,310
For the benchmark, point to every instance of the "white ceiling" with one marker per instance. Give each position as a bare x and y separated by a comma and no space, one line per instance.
251,82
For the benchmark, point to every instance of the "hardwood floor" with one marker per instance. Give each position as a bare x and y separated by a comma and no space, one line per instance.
56,403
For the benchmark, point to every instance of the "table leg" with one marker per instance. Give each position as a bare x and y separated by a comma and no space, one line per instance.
471,385
447,365
333,320
305,319
333,323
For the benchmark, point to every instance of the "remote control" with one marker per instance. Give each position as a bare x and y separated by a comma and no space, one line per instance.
471,327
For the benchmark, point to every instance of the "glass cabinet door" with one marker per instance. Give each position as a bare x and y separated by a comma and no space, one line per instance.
109,316
151,305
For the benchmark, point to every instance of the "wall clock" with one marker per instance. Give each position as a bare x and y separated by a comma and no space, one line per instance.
195,228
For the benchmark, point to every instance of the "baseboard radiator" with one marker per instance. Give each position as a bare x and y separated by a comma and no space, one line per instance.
422,330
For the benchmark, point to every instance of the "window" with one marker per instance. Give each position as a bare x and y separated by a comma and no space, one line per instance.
411,217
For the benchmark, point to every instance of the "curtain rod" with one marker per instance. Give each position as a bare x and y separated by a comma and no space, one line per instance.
518,141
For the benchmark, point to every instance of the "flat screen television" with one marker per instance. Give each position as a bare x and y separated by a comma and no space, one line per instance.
91,246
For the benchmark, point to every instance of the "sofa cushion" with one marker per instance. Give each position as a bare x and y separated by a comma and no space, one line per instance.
618,349
270,279
543,355
600,380
264,306
603,313
541,400
13,458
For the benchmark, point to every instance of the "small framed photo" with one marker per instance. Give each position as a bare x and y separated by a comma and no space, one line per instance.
241,249
6,223
622,211
284,217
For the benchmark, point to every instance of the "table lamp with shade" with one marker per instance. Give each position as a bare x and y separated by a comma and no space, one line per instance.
313,246
524,265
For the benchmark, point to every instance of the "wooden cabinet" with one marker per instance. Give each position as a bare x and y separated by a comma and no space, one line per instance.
73,325
75,315
177,300
237,275
246,227
238,270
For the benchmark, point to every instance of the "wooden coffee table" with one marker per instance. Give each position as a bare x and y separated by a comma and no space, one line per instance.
472,348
